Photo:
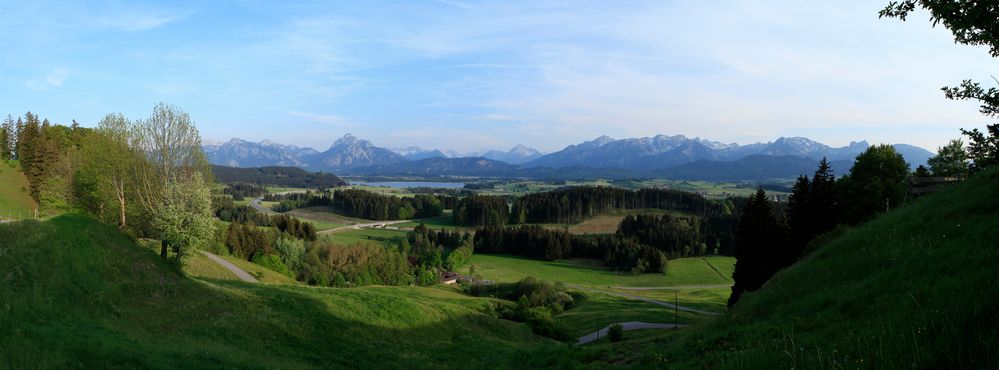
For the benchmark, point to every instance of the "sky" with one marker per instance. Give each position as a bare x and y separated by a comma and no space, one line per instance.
471,76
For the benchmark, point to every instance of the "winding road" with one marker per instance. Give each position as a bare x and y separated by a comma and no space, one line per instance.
256,204
630,325
365,225
240,273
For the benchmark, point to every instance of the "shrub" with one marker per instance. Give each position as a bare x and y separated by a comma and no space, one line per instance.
615,333
272,262
291,251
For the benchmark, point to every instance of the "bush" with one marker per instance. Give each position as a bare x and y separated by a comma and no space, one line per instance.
272,262
291,251
615,333
541,322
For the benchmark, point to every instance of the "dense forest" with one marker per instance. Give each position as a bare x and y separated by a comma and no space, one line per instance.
241,190
365,204
575,204
292,177
481,210
617,251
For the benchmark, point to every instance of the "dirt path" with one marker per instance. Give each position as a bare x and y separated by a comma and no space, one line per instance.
630,325
649,300
240,273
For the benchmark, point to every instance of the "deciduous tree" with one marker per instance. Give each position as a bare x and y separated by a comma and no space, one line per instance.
951,160
185,217
972,23
172,147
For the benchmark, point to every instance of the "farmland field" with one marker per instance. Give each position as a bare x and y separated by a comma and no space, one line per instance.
598,310
684,271
382,236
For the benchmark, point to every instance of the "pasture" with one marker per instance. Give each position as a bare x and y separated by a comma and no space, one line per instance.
684,271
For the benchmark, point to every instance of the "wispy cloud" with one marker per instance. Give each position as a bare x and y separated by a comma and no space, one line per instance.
328,119
54,79
134,20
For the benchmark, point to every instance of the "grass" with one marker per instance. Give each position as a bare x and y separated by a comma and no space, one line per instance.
15,202
79,294
444,221
325,214
608,223
200,266
708,299
505,268
263,274
597,311
914,288
382,236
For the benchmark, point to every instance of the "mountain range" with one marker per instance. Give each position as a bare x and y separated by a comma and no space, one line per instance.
519,154
675,156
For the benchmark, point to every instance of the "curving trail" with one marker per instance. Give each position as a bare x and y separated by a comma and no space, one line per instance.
240,273
630,325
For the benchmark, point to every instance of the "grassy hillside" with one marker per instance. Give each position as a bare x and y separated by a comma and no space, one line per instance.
915,288
14,199
77,293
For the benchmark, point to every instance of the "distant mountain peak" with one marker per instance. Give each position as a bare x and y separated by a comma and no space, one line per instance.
348,140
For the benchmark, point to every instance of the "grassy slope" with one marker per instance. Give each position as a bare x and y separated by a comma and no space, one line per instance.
597,311
263,274
14,198
684,271
914,288
77,293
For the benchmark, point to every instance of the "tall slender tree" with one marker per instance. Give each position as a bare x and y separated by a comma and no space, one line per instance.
760,242
5,140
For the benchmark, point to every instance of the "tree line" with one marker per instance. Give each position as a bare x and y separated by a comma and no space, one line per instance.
292,177
364,204
575,204
771,238
148,176
617,251
241,190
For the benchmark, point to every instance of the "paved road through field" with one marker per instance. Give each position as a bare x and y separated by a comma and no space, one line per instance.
240,273
365,225
630,325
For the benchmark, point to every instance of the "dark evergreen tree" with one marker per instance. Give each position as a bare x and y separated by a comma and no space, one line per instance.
4,142
760,242
801,217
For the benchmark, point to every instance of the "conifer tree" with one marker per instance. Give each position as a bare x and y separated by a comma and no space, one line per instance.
760,242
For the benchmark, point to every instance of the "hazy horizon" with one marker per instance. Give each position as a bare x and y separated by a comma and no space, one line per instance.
471,76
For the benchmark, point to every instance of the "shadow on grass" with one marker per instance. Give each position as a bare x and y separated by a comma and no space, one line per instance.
87,297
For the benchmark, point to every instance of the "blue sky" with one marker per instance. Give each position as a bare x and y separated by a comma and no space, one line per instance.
470,75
